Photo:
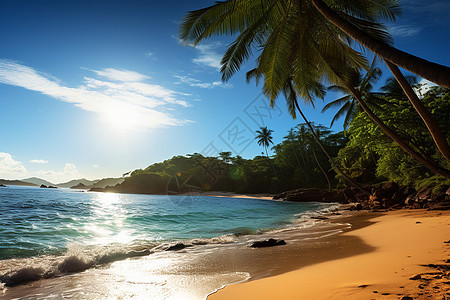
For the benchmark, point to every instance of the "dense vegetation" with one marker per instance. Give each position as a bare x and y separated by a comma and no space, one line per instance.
363,152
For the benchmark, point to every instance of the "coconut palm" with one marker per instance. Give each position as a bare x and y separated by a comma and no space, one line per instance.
348,103
393,89
298,46
264,138
342,15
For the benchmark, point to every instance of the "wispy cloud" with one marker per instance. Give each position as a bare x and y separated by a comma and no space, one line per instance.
123,94
38,161
10,168
404,30
197,83
149,54
120,75
207,55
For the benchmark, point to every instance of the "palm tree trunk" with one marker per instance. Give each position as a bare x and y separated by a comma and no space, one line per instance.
327,154
427,163
434,72
433,128
321,169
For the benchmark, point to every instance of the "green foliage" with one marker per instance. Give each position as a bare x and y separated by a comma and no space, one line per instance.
392,163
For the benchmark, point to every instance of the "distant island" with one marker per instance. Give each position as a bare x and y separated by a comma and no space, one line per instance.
73,184
16,182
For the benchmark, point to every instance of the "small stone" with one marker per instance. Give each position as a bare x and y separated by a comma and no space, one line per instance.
418,222
375,292
407,298
415,277
363,286
385,294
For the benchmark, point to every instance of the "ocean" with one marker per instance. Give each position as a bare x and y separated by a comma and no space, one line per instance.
69,243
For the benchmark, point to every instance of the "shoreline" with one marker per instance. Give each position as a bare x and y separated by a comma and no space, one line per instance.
383,251
219,194
214,264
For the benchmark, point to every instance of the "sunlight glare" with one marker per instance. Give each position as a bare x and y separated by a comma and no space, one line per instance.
123,117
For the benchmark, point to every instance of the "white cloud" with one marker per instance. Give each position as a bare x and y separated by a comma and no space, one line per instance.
404,30
10,168
205,85
207,56
120,75
128,102
69,172
148,54
38,161
95,166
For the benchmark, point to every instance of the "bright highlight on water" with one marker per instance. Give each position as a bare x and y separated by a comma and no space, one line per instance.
52,232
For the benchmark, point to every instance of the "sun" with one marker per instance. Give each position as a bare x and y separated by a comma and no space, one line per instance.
123,117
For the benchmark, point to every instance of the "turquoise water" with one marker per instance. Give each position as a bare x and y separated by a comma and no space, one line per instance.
36,221
48,233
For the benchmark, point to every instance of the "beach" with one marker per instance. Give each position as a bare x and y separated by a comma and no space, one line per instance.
380,258
330,252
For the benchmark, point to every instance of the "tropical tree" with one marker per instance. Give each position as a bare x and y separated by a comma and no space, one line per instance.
299,47
348,103
225,156
264,138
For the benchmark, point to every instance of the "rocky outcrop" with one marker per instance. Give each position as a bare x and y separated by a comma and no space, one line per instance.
382,196
2,185
267,243
43,186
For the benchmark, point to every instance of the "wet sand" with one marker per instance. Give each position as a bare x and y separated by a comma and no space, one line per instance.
195,272
348,256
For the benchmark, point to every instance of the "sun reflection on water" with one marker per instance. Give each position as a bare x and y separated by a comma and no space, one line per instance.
107,222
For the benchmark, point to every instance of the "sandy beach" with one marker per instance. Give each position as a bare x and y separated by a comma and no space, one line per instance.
383,256
234,195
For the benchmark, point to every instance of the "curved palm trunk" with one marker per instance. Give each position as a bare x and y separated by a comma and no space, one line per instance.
427,118
434,72
427,163
321,169
326,152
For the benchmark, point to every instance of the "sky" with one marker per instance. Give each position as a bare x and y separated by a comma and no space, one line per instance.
94,89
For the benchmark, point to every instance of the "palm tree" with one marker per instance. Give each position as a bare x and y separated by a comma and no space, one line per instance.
298,46
348,103
392,88
264,138
291,97
348,23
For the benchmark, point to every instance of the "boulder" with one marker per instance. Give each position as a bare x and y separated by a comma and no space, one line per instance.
176,247
267,243
2,185
385,190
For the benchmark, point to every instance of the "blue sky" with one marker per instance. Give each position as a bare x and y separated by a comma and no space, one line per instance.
97,88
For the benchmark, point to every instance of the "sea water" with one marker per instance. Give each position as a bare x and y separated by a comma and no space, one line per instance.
46,234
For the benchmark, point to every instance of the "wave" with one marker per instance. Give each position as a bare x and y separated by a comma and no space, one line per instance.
78,258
